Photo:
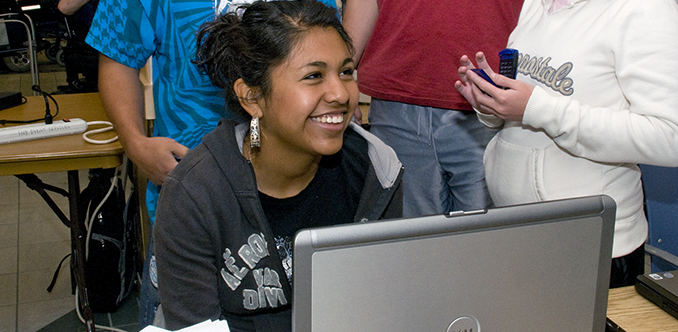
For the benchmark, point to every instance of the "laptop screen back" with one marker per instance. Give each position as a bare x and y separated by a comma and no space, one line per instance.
535,267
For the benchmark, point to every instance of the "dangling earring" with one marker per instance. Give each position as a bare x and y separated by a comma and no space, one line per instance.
255,140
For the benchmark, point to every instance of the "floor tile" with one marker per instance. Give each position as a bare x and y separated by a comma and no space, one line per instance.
9,235
43,256
28,196
48,82
11,83
8,318
54,178
9,213
48,231
8,289
68,322
57,179
9,182
33,316
60,78
128,313
71,322
26,84
8,260
9,203
33,285
125,318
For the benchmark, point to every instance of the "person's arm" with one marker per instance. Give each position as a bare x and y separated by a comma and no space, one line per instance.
359,19
642,129
184,251
122,97
69,7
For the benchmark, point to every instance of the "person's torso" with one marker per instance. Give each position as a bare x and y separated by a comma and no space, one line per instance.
414,51
253,266
567,53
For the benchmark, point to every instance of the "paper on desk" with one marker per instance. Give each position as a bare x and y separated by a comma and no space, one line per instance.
206,326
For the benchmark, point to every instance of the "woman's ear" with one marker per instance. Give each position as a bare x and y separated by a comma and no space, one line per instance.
248,98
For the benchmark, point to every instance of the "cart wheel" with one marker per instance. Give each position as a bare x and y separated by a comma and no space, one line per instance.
60,59
19,62
52,51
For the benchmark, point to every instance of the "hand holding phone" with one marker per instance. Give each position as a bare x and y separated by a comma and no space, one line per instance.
508,66
507,106
484,75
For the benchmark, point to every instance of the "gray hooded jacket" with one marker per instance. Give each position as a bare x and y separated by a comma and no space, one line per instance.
215,251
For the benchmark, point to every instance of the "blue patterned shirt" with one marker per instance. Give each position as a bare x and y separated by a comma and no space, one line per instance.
187,105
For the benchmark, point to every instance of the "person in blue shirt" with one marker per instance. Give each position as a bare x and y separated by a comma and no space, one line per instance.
187,106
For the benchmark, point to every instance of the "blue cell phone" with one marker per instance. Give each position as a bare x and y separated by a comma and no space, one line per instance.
484,75
508,63
508,66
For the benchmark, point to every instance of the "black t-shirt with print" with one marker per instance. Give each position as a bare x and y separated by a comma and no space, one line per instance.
331,198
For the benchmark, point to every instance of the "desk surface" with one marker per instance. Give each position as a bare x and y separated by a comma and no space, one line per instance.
64,153
632,312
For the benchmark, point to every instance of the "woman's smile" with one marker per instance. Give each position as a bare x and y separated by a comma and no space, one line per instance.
329,118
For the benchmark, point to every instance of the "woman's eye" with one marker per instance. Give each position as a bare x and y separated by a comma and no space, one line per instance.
348,71
313,76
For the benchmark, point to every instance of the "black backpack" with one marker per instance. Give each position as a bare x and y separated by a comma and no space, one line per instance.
111,264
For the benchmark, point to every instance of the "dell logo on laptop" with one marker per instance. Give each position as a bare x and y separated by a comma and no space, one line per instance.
464,324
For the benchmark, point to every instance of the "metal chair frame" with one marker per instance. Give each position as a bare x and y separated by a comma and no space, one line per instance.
32,43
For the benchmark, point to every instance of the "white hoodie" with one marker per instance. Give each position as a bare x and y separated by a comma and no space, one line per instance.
606,99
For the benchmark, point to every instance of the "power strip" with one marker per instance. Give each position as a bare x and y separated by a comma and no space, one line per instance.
40,130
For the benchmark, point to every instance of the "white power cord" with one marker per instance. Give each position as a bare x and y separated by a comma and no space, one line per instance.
100,130
88,221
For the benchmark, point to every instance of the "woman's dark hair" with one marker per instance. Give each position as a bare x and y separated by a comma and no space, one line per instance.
251,41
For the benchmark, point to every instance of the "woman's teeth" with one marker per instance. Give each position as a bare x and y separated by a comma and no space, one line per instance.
335,118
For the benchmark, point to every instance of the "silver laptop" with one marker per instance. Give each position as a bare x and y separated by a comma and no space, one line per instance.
534,267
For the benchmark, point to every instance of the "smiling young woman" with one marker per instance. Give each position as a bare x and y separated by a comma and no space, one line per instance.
312,99
230,209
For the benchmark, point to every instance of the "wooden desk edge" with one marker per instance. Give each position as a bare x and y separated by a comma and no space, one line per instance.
632,312
48,165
